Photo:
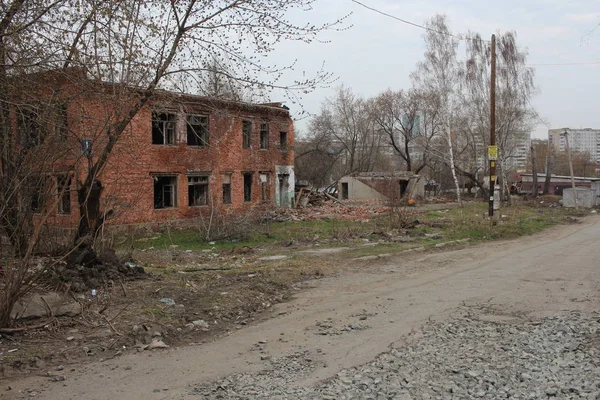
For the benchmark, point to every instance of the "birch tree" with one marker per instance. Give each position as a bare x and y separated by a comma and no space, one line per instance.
438,75
515,84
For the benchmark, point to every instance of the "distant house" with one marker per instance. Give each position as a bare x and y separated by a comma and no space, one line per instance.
383,186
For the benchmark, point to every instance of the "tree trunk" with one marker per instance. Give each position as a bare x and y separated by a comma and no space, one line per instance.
407,152
90,217
548,172
452,166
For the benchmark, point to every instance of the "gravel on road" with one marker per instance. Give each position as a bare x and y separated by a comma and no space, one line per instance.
465,357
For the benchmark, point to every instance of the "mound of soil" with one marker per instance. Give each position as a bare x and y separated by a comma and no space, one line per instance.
85,270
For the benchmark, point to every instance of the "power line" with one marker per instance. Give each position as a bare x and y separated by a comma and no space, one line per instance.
536,113
405,21
561,64
464,38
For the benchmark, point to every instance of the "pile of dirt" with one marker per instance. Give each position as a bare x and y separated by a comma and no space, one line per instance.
84,270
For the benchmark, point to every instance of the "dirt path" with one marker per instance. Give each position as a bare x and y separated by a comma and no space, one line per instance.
347,320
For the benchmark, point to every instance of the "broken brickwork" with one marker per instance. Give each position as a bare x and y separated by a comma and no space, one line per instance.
181,156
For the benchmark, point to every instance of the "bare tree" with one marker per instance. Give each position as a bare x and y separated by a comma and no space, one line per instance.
438,75
409,123
514,86
346,122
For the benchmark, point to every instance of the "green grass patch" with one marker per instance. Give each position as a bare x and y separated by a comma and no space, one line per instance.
425,227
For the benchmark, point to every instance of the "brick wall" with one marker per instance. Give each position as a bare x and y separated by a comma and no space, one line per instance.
129,176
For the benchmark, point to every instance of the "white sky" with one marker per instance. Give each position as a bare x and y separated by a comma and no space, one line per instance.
378,52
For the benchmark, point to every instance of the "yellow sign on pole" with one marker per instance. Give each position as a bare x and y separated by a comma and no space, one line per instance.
493,152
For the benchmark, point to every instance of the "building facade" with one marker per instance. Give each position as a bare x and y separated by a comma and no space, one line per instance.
180,157
585,140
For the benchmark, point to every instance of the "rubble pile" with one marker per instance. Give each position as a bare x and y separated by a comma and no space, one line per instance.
335,210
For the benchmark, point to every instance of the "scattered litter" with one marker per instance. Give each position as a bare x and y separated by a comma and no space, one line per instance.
157,344
273,258
168,301
12,350
200,323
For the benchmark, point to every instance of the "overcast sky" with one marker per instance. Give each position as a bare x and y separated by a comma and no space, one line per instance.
378,52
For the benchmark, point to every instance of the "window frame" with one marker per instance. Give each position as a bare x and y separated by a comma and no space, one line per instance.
246,134
264,136
37,187
265,186
204,138
174,193
194,185
226,177
28,122
248,178
165,124
283,140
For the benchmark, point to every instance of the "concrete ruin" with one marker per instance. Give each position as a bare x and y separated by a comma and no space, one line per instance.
382,186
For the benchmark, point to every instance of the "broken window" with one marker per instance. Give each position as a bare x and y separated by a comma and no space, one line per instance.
165,192
30,129
226,181
198,190
265,193
264,136
36,188
61,127
63,186
163,128
248,187
246,132
283,140
197,130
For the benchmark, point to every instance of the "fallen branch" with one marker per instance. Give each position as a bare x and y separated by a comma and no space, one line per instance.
112,326
25,328
119,313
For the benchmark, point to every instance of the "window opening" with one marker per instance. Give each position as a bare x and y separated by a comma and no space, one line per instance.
165,192
163,128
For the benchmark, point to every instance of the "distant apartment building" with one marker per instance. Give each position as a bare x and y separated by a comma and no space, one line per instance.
518,160
515,152
581,140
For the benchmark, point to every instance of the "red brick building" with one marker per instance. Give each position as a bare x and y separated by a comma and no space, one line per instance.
181,155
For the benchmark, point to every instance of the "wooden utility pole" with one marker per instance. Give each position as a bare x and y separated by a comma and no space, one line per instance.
548,167
492,150
571,168
534,171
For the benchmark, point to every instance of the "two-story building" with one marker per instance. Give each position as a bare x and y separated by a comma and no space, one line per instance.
181,156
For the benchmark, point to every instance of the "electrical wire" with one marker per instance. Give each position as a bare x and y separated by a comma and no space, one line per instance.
405,21
536,114
464,38
561,64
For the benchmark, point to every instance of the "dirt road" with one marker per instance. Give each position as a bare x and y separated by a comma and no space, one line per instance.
348,319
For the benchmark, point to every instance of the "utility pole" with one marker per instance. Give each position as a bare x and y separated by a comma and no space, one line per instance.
571,169
534,171
548,167
493,149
